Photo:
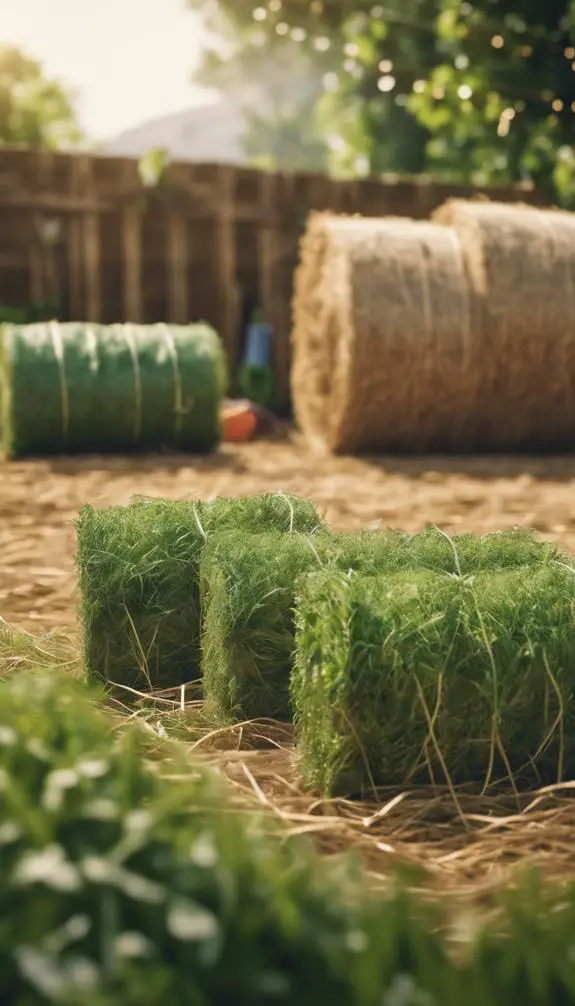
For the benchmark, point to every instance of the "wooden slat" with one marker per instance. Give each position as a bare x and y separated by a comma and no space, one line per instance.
91,241
177,269
226,266
272,289
36,273
132,266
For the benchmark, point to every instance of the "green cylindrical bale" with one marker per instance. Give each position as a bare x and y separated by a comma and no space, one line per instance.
422,677
248,594
80,388
138,568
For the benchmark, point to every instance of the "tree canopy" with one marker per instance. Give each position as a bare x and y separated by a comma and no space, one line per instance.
34,109
481,90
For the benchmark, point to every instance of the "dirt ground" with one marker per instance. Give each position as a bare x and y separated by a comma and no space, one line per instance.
39,500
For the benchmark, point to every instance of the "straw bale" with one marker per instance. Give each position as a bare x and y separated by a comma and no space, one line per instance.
520,265
138,570
384,337
420,677
70,388
248,590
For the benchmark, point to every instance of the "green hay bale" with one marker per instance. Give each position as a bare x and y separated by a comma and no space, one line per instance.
138,570
128,886
247,587
248,590
79,388
425,677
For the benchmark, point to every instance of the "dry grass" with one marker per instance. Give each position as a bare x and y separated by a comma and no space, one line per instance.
457,845
520,264
384,348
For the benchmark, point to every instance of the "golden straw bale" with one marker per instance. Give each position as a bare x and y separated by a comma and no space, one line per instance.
384,346
520,264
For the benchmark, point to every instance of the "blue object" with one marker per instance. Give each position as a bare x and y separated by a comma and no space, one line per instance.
258,344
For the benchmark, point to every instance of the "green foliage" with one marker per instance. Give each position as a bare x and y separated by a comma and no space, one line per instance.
139,568
124,885
500,104
76,388
34,109
248,594
481,668
478,92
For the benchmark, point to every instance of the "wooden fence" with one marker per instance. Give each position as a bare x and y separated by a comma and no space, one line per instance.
205,243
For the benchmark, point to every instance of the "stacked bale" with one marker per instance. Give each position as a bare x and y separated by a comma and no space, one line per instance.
409,338
138,568
80,388
428,678
384,349
520,266
248,589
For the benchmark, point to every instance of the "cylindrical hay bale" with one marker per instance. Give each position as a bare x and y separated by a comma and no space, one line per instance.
79,388
422,677
520,265
384,356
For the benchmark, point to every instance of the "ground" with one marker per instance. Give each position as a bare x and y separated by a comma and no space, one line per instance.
469,844
39,500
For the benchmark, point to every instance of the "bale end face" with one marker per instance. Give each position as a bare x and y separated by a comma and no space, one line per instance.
419,677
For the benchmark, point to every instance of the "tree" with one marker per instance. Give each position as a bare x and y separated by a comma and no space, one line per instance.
34,109
347,119
501,104
272,80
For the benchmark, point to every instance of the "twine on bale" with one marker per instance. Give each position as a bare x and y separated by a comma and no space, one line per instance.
78,388
520,267
178,403
54,330
384,354
131,339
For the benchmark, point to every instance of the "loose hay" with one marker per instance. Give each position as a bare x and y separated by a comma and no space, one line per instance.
248,593
520,265
78,388
422,677
384,341
138,568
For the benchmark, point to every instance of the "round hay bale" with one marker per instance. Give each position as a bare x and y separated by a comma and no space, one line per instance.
520,265
78,388
384,354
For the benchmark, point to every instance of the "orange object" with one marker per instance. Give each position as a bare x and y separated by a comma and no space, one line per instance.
239,422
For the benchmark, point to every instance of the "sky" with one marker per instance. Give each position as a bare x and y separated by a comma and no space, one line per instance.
130,60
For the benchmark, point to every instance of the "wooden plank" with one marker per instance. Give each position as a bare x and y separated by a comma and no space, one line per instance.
75,246
36,272
226,267
272,289
177,269
91,242
132,265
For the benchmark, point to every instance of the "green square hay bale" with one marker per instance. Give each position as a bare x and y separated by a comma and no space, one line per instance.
248,591
79,388
138,570
421,676
247,587
469,553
